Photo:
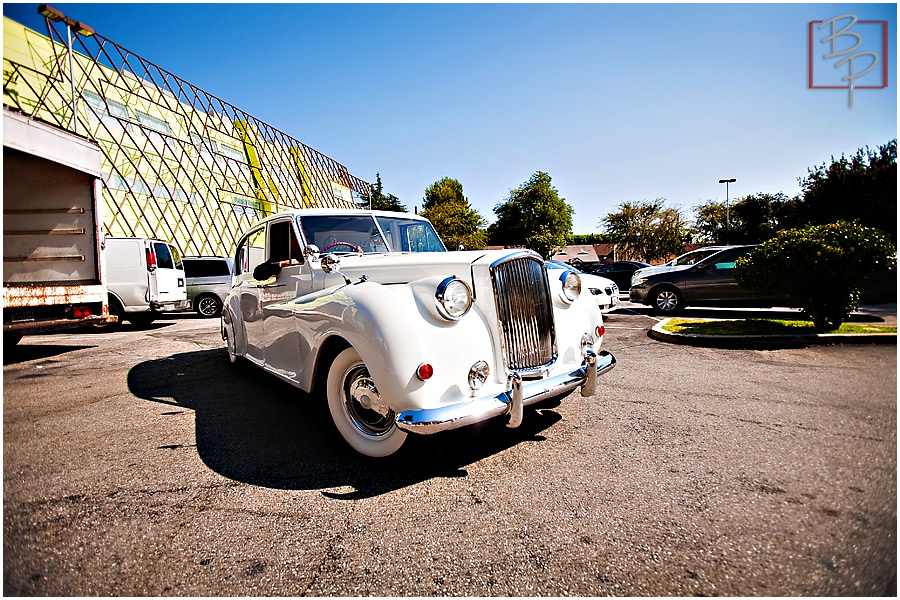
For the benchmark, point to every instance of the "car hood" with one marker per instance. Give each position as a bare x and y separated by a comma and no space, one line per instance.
398,268
659,269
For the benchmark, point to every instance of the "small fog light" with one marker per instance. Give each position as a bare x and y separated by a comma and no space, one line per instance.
587,342
478,374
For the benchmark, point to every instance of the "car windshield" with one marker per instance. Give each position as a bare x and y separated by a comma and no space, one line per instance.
368,234
552,264
693,257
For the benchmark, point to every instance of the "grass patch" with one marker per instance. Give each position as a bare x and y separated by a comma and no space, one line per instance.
764,327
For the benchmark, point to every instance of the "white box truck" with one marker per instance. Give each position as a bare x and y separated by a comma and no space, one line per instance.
53,262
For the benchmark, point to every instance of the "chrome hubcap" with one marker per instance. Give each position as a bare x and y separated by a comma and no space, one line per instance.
207,306
364,405
666,301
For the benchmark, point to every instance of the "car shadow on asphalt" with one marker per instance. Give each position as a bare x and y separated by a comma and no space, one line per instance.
25,352
254,428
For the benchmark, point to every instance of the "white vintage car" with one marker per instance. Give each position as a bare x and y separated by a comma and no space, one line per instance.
400,334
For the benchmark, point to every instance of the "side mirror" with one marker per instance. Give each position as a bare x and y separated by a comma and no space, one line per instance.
311,250
330,263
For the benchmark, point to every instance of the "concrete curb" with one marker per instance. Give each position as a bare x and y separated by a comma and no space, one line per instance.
768,341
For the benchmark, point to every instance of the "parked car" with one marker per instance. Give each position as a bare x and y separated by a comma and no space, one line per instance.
619,271
403,336
680,262
605,291
208,283
710,282
145,277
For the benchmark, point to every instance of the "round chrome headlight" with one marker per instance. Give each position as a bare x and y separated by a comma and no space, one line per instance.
454,298
571,286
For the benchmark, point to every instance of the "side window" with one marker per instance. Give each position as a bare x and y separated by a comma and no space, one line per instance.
728,259
251,252
164,258
283,244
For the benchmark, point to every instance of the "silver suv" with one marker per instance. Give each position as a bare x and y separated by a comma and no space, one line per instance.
208,283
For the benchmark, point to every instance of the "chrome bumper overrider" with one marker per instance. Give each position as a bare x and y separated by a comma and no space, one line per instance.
521,393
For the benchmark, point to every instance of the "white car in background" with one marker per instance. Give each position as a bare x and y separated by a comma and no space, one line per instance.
603,290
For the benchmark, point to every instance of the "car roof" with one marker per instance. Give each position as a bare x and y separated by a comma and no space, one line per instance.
332,212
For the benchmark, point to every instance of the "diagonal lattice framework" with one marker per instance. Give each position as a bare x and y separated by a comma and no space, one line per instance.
179,163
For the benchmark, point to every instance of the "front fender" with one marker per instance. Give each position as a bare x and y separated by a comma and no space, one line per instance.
394,331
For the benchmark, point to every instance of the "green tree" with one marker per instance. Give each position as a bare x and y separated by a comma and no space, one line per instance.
453,217
585,239
534,216
862,188
378,200
647,230
751,219
820,268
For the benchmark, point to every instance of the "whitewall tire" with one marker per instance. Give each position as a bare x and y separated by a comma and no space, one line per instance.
360,414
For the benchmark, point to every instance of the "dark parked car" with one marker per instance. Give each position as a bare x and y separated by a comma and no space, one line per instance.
709,282
619,271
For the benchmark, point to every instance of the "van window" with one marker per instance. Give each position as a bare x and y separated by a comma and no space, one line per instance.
164,258
206,267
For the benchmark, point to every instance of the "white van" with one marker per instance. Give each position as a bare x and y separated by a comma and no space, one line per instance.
145,277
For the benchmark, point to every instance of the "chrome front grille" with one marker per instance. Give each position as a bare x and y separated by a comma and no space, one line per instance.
525,311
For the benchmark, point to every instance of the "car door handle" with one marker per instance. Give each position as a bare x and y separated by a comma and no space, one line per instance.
270,285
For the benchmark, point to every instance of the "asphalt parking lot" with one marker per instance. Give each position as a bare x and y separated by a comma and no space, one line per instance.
140,462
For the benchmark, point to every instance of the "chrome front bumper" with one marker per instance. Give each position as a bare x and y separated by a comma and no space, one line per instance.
521,392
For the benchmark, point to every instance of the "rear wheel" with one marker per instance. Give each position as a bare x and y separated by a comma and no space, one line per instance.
667,301
359,412
209,306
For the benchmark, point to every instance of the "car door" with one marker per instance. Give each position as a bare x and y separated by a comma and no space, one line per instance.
285,348
712,281
169,273
250,253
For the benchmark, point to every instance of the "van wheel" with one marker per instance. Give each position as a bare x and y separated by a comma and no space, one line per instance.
208,306
359,412
115,309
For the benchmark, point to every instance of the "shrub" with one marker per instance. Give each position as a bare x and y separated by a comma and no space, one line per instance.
819,268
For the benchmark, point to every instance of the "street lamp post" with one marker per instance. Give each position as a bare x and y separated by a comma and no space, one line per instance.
71,25
726,182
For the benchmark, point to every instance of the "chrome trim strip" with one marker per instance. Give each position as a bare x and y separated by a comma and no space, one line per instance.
433,420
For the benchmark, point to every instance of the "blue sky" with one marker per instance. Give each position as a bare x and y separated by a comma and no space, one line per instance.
617,102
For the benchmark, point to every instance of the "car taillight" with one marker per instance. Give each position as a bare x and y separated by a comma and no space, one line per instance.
424,372
600,331
151,259
80,312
